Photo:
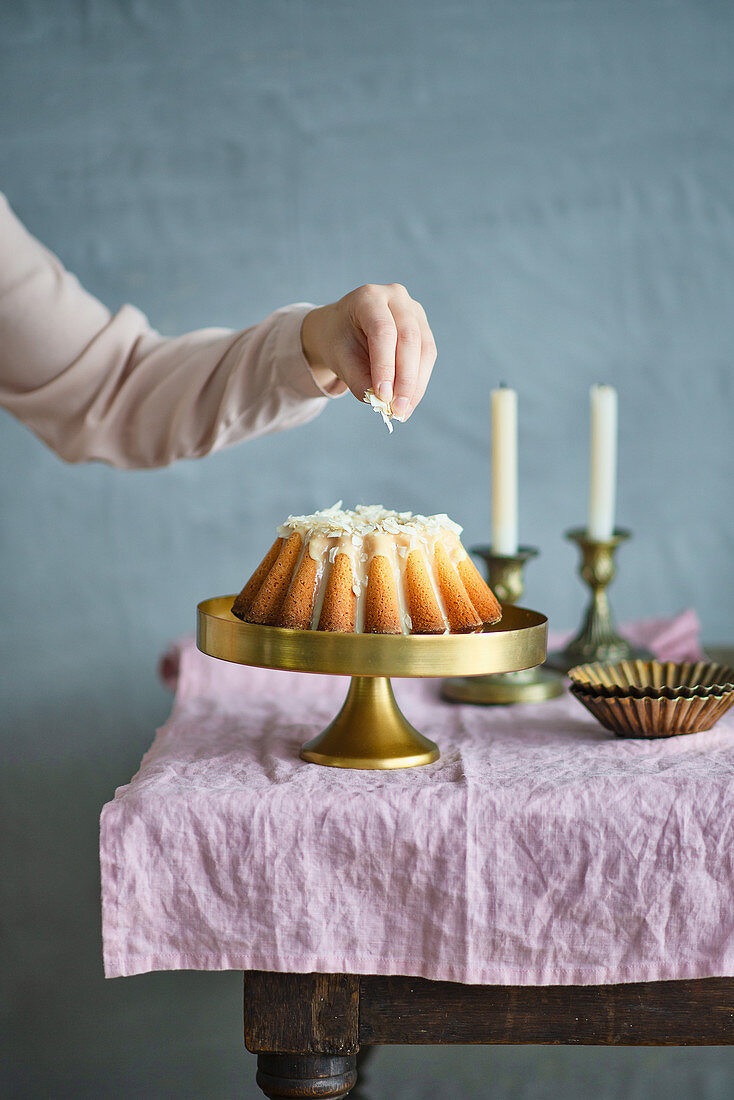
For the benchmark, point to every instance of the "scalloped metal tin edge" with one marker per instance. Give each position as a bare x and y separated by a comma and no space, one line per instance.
651,679
652,718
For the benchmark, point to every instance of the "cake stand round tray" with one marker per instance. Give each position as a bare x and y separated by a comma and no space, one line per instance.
370,731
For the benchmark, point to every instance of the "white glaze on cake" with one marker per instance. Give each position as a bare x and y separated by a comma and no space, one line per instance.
369,531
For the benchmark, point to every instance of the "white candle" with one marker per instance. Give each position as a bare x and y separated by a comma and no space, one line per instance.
602,463
504,471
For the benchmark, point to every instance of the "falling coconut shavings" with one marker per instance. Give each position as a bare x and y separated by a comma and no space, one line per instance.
384,408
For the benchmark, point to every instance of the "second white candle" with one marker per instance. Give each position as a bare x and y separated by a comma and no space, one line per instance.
504,471
602,463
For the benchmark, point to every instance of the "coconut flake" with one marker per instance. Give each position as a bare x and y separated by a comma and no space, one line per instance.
384,408
367,519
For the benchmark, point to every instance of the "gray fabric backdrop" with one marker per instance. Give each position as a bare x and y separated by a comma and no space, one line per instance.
554,180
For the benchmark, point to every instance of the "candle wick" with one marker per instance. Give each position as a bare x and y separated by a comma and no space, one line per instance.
503,385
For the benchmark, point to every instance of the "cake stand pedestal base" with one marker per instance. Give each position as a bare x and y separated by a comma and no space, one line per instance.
370,732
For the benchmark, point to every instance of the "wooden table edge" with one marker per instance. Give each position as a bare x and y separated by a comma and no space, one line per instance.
336,1014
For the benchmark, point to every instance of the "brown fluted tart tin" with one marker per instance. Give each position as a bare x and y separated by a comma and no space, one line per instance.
661,717
652,679
653,698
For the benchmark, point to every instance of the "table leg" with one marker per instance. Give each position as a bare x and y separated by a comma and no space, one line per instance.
306,1075
304,1030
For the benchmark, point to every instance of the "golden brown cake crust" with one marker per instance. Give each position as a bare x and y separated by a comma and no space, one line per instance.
425,614
339,612
241,605
481,595
382,608
267,604
460,611
297,608
370,570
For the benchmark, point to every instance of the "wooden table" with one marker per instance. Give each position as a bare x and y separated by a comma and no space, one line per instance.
307,1029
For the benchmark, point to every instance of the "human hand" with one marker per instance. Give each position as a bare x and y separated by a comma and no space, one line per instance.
376,337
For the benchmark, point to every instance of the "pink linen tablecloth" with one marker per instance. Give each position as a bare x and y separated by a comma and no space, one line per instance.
537,850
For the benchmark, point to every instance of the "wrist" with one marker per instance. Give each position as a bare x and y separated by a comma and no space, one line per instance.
312,343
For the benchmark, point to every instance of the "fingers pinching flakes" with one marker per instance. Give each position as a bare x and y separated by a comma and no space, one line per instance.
384,408
375,341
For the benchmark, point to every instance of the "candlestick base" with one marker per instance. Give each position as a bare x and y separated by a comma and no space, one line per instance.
597,638
530,685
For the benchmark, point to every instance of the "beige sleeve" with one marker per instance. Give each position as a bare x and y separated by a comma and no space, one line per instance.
96,385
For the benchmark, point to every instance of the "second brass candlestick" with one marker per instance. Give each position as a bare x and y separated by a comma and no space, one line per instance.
531,685
597,638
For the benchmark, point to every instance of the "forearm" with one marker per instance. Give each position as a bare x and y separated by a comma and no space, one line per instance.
135,400
97,386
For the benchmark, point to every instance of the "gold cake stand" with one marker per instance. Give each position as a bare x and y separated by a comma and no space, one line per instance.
370,731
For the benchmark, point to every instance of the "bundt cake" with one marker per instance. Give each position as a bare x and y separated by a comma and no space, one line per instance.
369,571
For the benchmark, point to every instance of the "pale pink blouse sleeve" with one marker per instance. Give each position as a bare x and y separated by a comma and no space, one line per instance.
97,385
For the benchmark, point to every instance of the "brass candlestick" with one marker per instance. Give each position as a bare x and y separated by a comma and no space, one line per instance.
531,685
597,639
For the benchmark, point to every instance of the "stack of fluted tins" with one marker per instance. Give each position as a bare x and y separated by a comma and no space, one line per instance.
654,698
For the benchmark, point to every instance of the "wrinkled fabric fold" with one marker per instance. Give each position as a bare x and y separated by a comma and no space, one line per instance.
537,850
